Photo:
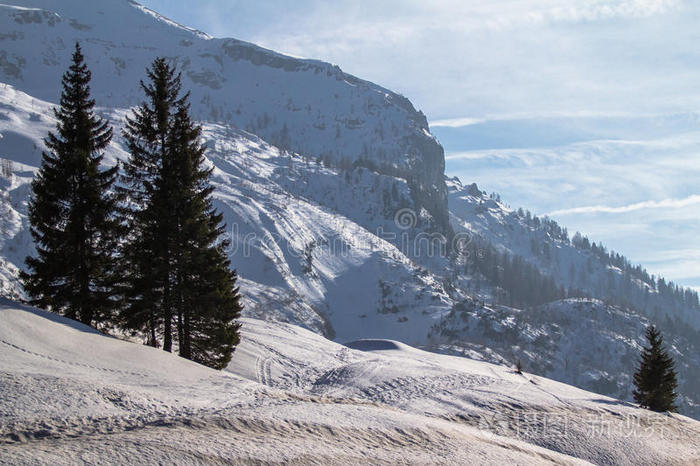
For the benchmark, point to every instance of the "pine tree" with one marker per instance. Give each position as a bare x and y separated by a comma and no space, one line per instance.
150,207
180,277
655,379
208,301
72,211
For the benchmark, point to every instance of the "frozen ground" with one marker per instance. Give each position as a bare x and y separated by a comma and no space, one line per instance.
69,394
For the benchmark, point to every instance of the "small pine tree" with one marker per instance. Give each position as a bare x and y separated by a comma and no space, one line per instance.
655,380
518,366
72,212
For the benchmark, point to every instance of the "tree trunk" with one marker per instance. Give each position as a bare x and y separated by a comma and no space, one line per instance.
85,313
154,340
167,320
186,351
180,305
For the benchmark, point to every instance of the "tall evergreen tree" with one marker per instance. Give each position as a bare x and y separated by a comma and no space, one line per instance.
182,279
655,380
72,211
150,207
207,300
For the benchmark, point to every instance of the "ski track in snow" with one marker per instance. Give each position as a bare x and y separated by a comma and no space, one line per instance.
72,363
263,368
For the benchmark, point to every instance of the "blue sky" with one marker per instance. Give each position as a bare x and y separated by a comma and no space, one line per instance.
586,110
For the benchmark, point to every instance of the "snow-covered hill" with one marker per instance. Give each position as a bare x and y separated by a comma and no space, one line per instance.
317,239
70,394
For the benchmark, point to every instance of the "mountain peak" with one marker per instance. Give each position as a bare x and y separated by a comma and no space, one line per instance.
473,190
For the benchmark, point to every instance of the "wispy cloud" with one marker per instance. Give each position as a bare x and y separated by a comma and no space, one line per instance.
478,155
457,122
604,10
645,205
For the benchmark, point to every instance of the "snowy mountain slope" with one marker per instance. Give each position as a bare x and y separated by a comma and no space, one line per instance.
304,238
292,396
571,265
285,243
308,106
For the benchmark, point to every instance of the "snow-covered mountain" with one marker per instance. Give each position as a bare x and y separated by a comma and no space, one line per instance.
333,191
291,396
308,106
574,263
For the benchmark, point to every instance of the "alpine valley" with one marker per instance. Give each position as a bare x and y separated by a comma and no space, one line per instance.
342,222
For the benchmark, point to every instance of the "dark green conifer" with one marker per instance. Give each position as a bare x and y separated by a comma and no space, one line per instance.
72,211
655,380
183,281
149,210
207,302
